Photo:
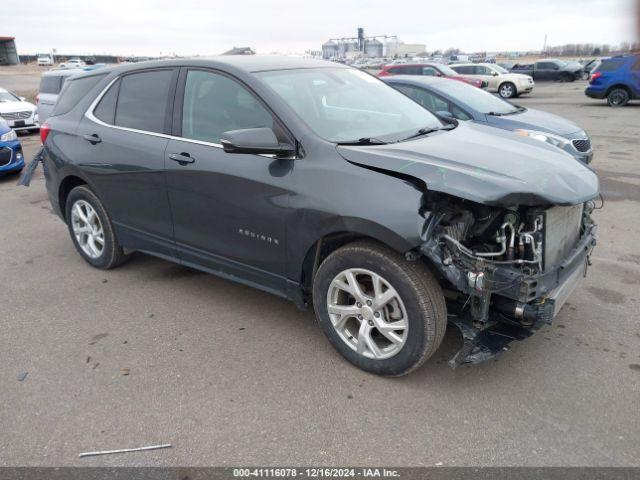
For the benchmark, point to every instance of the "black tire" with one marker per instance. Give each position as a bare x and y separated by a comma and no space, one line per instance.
618,97
419,290
112,253
566,77
507,90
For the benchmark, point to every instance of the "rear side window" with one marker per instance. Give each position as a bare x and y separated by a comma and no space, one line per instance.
611,65
51,84
143,100
73,92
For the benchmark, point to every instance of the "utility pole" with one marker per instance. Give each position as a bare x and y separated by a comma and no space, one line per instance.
544,45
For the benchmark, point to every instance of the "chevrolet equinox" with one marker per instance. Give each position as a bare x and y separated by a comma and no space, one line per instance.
321,184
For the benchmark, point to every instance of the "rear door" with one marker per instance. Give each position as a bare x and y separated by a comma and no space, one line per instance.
229,210
121,146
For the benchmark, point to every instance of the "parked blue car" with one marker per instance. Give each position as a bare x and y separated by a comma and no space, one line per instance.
617,79
448,98
11,158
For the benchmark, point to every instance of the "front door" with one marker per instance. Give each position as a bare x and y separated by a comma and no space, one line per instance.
229,210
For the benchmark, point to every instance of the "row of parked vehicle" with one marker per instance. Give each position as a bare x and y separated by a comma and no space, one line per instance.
616,79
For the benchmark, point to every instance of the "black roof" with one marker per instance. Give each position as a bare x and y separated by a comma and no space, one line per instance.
245,63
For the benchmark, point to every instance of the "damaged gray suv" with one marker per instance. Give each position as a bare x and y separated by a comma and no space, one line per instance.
323,185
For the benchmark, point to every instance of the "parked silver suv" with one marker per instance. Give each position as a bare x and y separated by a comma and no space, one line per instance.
51,84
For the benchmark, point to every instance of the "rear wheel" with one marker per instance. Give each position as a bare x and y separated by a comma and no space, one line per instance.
618,97
91,229
384,314
507,90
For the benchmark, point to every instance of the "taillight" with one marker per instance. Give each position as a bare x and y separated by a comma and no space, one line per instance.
37,98
594,75
44,132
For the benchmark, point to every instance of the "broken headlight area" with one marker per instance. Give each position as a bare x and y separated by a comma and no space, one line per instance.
509,270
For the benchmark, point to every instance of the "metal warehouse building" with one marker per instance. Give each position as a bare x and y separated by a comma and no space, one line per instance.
8,51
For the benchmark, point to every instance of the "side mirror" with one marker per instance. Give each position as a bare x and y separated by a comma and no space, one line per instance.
495,74
22,99
256,141
444,114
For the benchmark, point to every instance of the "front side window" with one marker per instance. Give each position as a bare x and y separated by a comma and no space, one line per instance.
427,99
143,99
476,98
345,105
429,71
214,104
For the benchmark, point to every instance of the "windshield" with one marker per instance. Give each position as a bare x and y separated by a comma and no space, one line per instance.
499,69
8,97
344,104
476,98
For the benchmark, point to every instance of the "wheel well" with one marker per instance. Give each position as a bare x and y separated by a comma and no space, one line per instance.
68,184
508,82
619,85
321,249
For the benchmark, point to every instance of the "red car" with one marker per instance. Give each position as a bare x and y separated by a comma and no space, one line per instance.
430,69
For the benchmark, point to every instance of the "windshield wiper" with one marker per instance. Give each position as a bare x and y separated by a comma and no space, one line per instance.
363,141
427,131
518,109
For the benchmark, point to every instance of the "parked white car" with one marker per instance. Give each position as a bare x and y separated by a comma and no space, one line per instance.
45,60
508,85
73,63
18,113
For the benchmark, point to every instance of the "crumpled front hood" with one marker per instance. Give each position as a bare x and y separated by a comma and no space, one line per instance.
536,120
485,165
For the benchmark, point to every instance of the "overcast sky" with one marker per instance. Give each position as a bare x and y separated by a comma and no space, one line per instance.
191,27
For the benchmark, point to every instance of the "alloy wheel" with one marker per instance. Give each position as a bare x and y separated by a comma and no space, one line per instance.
367,313
506,91
618,97
87,229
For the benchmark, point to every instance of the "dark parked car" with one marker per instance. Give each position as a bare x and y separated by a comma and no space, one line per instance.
447,98
617,79
551,69
430,70
321,184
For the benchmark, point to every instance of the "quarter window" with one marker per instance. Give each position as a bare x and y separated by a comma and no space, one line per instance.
106,109
143,100
214,104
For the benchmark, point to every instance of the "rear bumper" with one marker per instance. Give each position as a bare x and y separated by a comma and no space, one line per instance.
593,93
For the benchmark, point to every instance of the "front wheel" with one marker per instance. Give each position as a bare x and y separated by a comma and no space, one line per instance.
507,90
383,313
618,97
91,229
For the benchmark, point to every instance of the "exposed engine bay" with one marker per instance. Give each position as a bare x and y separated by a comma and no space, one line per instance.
509,270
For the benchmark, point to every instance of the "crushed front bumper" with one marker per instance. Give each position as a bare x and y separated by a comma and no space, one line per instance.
543,294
